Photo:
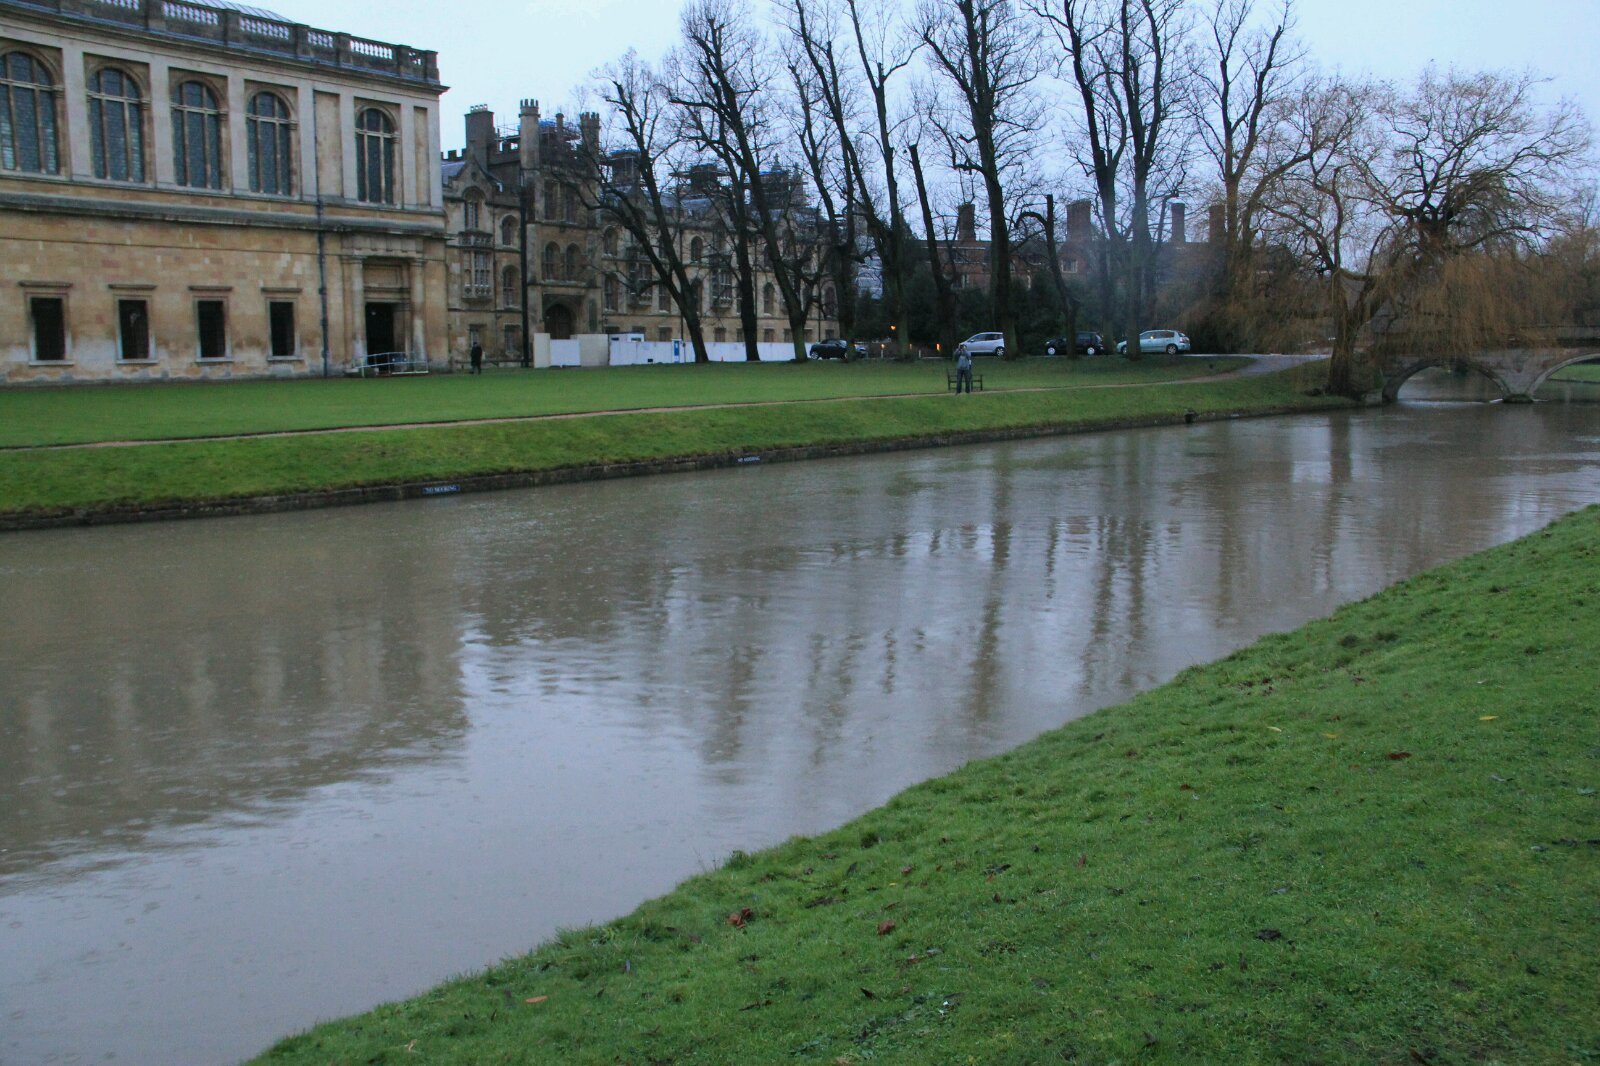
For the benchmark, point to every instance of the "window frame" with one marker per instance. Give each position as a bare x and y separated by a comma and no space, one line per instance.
284,131
274,302
125,301
386,138
133,112
200,302
207,119
46,103
59,295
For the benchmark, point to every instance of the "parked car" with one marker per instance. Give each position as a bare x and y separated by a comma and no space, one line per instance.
1152,341
1084,342
834,348
983,344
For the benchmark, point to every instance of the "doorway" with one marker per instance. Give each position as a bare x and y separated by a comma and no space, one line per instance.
380,330
558,322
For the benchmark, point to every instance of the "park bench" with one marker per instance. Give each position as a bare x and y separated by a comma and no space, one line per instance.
950,381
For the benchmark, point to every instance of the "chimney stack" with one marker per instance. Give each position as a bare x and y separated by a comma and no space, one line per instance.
1080,221
589,128
1180,235
967,222
528,136
480,132
1219,224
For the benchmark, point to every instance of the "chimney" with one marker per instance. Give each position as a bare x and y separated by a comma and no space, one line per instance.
967,222
625,168
1219,224
1180,235
589,127
480,132
1080,221
528,136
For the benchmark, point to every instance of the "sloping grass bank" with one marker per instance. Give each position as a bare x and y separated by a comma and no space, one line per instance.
1373,840
199,472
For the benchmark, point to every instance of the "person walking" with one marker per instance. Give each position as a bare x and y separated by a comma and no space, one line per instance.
477,358
964,371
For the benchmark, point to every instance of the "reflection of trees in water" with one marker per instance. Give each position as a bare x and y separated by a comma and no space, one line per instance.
162,676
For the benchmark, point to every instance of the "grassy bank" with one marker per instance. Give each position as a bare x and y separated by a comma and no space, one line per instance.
75,414
1372,840
45,482
1580,372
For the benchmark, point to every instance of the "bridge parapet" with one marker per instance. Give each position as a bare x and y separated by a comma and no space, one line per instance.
1516,372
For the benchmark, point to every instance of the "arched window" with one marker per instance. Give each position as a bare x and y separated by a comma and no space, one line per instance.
697,295
613,242
375,148
574,264
116,126
271,139
612,293
27,116
769,299
196,136
472,213
697,250
663,298
552,262
508,287
508,230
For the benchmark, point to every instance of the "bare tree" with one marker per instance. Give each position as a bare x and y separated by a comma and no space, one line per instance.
986,53
944,297
723,100
865,155
633,175
1323,210
1121,56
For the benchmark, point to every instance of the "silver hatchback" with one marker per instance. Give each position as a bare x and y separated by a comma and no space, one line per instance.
1152,341
983,344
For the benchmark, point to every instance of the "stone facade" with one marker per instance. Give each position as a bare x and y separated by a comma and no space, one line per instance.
577,273
197,191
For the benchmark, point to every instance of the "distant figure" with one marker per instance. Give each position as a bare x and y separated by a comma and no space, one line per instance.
477,358
964,372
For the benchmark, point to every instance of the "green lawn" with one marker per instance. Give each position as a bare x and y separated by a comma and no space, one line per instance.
1372,840
1580,372
45,480
76,414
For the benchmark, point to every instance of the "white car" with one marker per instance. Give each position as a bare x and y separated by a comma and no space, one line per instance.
983,344
1152,341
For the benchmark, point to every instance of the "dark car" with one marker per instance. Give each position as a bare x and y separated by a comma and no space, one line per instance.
834,348
1085,342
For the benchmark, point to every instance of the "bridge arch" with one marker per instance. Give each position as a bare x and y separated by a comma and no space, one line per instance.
1394,379
1590,356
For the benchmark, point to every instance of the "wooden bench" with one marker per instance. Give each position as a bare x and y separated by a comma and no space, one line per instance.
950,381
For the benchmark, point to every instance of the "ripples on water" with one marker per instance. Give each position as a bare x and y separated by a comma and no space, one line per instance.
259,771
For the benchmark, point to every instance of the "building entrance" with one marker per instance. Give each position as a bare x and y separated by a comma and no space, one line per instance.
381,336
558,322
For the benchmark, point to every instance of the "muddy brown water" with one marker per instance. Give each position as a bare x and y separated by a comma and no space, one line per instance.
259,772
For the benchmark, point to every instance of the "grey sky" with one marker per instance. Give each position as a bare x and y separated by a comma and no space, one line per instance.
497,53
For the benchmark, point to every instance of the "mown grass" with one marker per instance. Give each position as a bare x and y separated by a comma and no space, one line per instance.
34,481
1579,372
1373,840
75,414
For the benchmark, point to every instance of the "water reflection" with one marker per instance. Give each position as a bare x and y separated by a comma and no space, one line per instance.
262,770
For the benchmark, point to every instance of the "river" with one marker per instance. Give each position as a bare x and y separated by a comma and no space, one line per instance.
256,772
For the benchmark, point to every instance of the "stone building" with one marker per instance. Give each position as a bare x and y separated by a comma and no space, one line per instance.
200,190
530,254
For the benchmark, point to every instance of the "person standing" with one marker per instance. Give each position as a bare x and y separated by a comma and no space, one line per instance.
963,371
477,358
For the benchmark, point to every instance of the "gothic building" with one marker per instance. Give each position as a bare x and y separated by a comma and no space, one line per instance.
193,189
532,252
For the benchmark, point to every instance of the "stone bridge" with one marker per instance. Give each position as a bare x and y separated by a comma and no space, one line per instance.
1517,372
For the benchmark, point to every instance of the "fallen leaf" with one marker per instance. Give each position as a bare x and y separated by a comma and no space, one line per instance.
1083,859
885,928
1274,728
536,999
739,917
1487,717
869,993
1398,755
1185,788
1268,934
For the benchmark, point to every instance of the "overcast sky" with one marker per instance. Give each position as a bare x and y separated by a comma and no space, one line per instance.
496,53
